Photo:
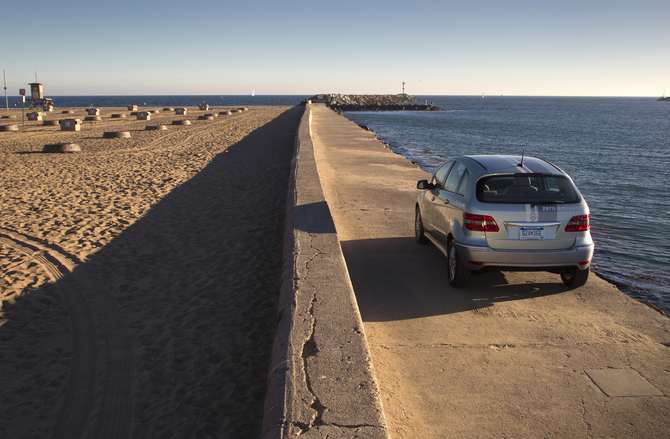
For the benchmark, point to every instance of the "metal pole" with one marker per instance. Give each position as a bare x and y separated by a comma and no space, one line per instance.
6,102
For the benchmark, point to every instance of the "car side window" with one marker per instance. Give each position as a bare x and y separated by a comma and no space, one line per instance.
461,186
441,174
454,177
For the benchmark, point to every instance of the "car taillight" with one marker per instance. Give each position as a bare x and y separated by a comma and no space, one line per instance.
479,223
578,224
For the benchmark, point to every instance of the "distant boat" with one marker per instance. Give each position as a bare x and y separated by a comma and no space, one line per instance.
663,98
253,92
482,95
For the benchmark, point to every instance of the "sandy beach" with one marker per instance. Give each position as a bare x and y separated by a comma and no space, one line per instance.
140,276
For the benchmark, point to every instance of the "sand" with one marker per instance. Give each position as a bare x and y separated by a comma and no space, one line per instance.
140,276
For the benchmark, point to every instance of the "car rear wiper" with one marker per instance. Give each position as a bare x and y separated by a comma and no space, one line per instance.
547,202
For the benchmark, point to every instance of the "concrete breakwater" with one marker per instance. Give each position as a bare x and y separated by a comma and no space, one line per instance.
399,102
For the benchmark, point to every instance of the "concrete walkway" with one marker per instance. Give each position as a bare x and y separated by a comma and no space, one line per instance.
514,354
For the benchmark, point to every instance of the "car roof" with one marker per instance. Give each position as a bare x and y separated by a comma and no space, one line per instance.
509,164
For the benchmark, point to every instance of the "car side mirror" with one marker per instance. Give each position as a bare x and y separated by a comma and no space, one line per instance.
423,184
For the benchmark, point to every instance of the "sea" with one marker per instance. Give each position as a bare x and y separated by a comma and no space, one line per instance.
163,101
616,149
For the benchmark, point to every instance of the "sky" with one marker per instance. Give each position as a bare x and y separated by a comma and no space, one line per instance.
307,47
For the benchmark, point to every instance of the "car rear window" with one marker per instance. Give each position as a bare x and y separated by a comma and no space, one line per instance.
527,189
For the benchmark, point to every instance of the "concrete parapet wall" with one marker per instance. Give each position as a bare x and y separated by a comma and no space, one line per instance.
321,381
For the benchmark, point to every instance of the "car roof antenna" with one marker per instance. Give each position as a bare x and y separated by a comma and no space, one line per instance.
522,154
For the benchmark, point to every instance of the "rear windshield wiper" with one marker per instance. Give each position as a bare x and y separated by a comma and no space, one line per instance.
547,202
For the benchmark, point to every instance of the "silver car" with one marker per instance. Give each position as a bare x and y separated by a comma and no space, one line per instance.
505,213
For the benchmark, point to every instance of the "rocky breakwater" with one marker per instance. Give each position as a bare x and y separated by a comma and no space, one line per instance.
397,102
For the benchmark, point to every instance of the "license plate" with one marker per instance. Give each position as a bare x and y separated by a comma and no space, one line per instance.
531,232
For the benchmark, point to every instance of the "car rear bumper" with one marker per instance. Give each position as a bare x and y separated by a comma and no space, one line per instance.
483,258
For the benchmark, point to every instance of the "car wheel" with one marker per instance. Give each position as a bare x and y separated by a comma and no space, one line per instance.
418,228
458,274
575,278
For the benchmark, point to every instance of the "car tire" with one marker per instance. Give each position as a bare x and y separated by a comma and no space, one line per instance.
575,278
458,274
418,228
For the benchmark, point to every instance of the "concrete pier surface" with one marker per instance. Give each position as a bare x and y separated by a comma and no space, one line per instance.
513,354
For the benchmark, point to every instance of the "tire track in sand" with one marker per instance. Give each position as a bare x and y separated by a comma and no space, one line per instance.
88,303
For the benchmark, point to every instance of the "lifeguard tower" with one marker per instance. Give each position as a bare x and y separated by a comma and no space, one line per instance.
37,99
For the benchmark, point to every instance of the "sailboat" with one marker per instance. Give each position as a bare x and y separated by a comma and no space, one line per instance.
482,95
253,92
663,98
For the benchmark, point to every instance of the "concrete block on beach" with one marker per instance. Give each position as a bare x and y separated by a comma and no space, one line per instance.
70,124
34,116
115,134
61,147
180,110
143,115
93,111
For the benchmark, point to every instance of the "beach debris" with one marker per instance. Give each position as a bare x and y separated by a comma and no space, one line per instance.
181,122
9,128
155,127
143,115
61,147
70,124
115,134
132,107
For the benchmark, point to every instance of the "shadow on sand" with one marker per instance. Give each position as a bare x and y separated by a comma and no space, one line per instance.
167,330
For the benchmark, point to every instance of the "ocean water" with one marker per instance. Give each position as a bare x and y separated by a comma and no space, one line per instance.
617,150
163,101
